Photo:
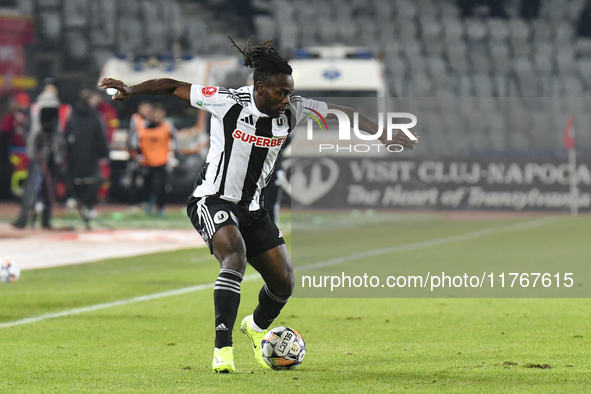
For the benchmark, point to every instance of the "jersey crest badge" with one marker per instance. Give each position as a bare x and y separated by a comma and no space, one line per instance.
209,91
280,122
220,217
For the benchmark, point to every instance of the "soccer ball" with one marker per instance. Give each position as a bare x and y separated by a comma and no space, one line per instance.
9,271
283,348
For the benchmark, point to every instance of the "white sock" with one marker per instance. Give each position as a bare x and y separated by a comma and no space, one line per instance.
254,326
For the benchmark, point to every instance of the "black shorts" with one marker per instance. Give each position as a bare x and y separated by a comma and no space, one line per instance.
209,214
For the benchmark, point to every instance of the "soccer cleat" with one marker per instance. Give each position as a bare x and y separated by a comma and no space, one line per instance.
256,338
223,360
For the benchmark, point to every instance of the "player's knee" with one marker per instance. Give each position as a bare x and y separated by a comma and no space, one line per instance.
235,261
285,282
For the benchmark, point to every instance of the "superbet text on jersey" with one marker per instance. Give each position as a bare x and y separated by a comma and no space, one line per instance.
245,142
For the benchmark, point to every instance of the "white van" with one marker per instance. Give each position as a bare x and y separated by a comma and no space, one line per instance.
338,71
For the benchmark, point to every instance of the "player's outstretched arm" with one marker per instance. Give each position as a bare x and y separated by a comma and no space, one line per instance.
369,126
161,86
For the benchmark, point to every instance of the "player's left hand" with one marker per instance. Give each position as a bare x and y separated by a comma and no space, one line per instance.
125,92
399,138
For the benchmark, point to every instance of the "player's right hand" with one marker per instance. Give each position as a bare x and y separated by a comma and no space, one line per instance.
125,92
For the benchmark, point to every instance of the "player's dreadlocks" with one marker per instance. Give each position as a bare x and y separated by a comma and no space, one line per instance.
265,60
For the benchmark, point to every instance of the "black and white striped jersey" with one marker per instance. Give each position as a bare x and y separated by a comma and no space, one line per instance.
245,142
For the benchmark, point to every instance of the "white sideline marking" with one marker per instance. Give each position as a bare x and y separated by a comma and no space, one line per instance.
117,303
338,260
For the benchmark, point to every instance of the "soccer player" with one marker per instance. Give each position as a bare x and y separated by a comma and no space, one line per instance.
248,129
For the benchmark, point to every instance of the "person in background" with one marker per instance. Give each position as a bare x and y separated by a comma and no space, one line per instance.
12,134
86,146
154,137
110,118
45,148
134,169
107,112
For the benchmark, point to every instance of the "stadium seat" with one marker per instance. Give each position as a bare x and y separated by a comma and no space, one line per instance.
264,26
103,26
480,59
483,85
573,10
583,47
51,24
501,85
546,85
540,132
565,59
571,85
544,57
455,126
477,130
406,10
78,46
542,33
423,86
465,86
519,34
497,130
564,33
528,85
75,13
453,30
499,29
584,68
436,66
475,29
500,57
553,10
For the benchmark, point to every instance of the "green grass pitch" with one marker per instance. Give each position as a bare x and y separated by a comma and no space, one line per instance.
164,345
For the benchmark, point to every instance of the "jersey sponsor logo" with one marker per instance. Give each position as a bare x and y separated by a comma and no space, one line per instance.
209,91
220,217
262,142
202,104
